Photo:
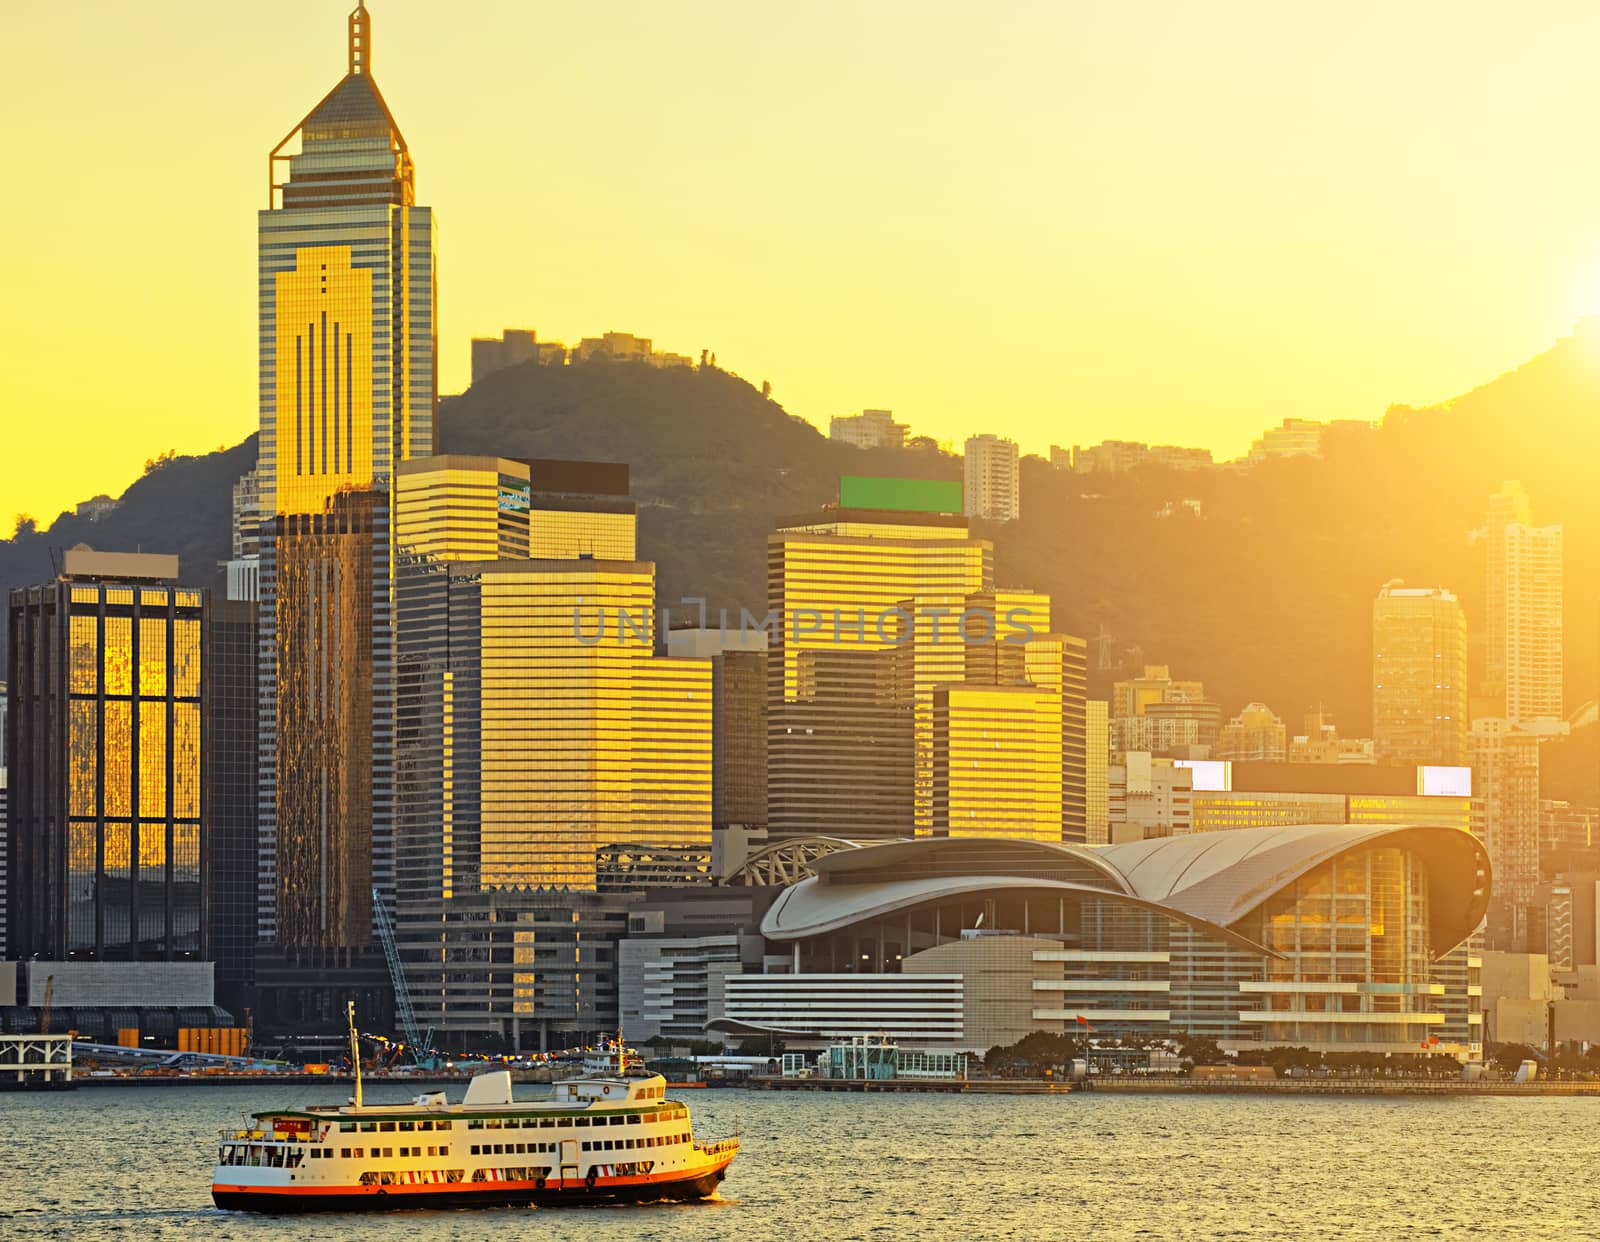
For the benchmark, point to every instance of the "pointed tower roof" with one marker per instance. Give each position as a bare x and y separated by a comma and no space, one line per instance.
354,116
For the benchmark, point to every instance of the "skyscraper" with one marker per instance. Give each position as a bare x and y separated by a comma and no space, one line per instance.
1507,507
231,659
1523,653
1419,676
991,487
856,651
1505,807
547,759
997,761
104,752
348,391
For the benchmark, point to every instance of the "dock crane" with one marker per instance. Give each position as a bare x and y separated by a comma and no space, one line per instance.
421,1045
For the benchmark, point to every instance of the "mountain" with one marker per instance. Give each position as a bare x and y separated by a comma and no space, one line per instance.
1265,593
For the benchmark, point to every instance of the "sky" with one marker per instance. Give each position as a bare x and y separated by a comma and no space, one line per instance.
1060,221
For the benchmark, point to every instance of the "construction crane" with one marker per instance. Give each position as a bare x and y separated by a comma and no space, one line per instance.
421,1046
49,995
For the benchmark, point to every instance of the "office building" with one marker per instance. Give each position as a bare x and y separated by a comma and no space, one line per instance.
348,392
1147,797
738,719
1505,767
850,672
1419,676
1523,653
231,659
1228,796
868,429
1254,734
997,761
549,763
1333,937
1097,774
4,835
103,753
991,484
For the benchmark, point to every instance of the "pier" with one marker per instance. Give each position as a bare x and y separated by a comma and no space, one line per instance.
35,1061
945,1086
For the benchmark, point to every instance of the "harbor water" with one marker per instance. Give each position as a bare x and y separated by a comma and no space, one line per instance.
135,1163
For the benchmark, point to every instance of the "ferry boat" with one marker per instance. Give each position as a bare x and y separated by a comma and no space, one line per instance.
611,1139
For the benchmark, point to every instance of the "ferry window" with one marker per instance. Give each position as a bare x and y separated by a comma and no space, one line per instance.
344,1153
492,1123
388,1153
618,1120
408,1125
368,1126
346,1127
474,1149
586,1147
475,1124
386,1125
547,1124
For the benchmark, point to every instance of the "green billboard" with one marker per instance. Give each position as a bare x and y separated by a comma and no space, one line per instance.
906,495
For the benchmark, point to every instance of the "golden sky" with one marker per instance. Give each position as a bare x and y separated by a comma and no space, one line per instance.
1055,220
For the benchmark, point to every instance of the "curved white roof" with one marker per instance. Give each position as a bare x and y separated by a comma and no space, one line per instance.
1210,880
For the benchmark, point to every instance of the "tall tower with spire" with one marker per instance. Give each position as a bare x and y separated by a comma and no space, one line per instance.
347,392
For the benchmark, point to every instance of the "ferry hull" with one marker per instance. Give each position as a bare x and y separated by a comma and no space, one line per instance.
570,1192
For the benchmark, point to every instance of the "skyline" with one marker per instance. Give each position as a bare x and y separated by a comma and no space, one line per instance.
1354,232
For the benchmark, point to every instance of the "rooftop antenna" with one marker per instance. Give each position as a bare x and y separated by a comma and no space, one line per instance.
360,39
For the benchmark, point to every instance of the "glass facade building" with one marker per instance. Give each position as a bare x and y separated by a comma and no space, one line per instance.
105,750
1419,676
548,761
853,659
1332,937
232,665
348,391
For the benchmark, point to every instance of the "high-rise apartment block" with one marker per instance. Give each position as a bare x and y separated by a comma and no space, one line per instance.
1523,653
1156,713
1254,734
1506,815
103,748
1419,676
868,429
991,484
348,392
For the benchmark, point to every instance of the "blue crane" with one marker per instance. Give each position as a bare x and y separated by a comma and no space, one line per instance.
421,1045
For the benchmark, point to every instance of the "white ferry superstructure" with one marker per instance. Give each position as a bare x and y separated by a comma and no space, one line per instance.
616,1139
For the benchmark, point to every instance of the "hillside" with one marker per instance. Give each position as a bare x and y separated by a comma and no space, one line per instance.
1266,594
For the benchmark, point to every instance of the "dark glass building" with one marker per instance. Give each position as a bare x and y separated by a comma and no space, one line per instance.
104,753
231,663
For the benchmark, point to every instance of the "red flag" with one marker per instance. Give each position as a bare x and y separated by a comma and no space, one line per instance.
1433,1039
1424,1045
1082,1021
